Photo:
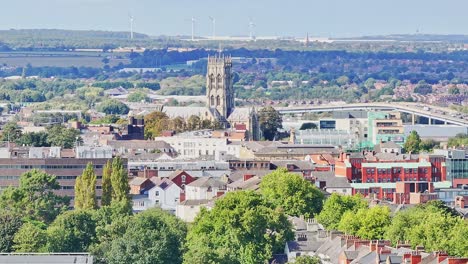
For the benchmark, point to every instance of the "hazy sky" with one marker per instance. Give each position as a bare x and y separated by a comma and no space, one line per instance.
272,17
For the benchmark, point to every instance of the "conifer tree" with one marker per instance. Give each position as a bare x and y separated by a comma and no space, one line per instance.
85,189
106,184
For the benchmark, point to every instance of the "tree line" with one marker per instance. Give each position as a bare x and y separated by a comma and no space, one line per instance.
432,225
242,227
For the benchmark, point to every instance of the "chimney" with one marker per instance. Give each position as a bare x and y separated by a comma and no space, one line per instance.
384,251
441,256
415,258
419,249
457,260
359,243
248,177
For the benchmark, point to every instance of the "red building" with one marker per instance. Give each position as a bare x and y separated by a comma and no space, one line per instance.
356,168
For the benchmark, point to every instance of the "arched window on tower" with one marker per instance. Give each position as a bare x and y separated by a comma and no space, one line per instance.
212,101
220,81
212,81
218,101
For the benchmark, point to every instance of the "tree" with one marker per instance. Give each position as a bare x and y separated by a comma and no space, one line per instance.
454,90
153,236
112,106
106,196
306,126
270,121
137,97
423,88
432,225
336,205
34,139
34,198
60,136
10,222
458,141
428,145
11,132
119,180
155,123
72,231
193,123
31,237
85,189
412,143
308,260
291,193
242,227
369,223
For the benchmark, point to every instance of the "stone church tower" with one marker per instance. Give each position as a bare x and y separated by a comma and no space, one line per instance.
219,87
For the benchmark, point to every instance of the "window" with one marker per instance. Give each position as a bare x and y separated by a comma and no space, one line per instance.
184,178
156,193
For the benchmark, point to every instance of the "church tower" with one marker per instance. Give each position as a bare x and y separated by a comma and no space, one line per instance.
219,86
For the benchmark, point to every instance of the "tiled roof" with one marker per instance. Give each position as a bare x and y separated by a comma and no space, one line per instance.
137,181
207,182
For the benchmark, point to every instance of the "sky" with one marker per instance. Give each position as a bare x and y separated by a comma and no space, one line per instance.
321,18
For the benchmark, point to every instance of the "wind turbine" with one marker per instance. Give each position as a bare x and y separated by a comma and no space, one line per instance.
213,21
193,28
131,26
251,29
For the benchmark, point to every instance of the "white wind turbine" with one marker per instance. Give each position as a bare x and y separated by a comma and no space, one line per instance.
193,28
251,29
131,26
213,21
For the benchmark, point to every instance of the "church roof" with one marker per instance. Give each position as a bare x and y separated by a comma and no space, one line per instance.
186,111
240,114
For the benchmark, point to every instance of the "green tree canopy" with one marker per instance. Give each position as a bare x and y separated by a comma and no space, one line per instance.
60,136
11,132
336,205
31,237
153,236
307,260
34,198
72,231
10,222
155,123
241,228
369,223
458,141
112,106
432,225
85,189
291,193
138,96
423,88
270,121
412,143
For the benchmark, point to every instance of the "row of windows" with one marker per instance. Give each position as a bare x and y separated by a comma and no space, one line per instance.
249,165
396,179
73,187
398,170
71,177
47,167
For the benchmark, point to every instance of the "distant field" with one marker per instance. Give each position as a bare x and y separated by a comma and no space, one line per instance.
58,59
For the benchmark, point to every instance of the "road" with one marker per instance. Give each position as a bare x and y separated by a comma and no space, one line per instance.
433,113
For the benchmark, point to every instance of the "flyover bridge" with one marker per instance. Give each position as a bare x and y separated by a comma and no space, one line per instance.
447,116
